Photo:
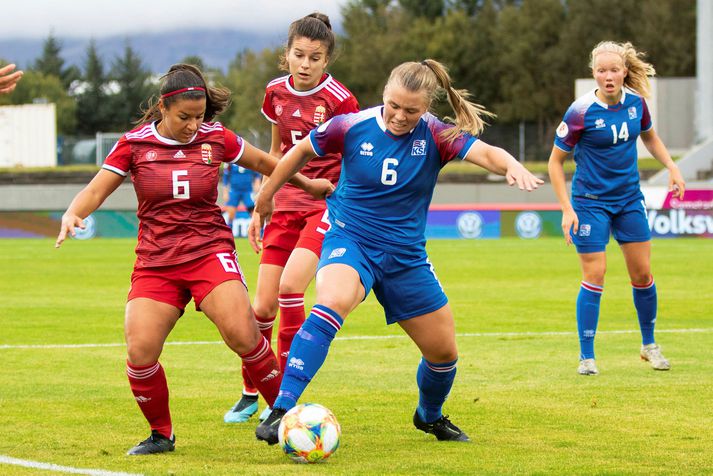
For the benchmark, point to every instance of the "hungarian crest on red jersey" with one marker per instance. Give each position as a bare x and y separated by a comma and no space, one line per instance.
207,153
151,155
319,114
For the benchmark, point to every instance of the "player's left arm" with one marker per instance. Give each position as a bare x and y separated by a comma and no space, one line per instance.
498,161
655,145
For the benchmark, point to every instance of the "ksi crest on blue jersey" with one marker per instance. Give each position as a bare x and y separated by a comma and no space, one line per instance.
419,147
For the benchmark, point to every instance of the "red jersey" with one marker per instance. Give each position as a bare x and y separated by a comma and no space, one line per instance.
176,185
296,113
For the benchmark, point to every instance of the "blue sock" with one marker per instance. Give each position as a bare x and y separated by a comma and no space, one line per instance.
434,385
587,317
307,354
645,300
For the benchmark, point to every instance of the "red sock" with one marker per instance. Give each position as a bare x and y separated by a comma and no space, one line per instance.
148,384
265,326
292,315
261,365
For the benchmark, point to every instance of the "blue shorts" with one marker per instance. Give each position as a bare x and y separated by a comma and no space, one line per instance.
627,221
404,283
237,196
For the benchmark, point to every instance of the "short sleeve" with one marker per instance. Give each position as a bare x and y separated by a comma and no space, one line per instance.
449,150
570,129
234,147
646,122
329,137
119,158
267,108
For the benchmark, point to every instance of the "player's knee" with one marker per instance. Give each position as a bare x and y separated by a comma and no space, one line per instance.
289,286
142,353
264,309
641,278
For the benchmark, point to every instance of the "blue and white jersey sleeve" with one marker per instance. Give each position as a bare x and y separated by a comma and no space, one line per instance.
328,138
570,129
448,151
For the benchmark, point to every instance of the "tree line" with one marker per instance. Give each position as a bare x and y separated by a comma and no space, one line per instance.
519,58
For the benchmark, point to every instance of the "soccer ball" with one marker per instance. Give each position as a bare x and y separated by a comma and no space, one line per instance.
309,433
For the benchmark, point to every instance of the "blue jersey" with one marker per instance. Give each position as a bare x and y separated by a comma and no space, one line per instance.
604,141
387,181
239,178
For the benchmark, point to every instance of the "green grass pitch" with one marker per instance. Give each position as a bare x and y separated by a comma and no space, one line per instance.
517,393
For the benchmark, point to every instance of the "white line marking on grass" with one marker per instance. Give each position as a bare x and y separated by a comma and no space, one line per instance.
60,469
396,336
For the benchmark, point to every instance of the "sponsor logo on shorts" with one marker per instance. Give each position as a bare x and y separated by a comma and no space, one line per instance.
585,230
337,252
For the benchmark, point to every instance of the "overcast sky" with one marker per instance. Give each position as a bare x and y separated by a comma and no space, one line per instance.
99,18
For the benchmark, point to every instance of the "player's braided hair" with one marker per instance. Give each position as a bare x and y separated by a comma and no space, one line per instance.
428,76
315,26
180,76
639,70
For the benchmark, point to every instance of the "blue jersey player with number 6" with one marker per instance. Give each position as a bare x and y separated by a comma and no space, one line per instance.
601,128
391,157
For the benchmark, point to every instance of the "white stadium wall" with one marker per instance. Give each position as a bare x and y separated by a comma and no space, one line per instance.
28,136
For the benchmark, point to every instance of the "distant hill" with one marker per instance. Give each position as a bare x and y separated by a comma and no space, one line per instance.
158,51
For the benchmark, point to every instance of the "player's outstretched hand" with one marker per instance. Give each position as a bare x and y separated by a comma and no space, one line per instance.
69,223
8,80
525,180
255,233
320,188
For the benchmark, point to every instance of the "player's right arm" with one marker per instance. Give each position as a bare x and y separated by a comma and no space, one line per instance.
555,167
86,201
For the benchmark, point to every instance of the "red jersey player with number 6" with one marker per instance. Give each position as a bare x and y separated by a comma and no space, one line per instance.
291,244
184,249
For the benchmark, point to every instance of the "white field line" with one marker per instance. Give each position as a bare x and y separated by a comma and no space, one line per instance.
60,469
367,337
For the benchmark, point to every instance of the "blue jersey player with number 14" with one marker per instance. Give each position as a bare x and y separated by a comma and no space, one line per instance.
391,157
602,127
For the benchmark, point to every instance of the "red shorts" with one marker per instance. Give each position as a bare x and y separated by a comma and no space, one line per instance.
175,285
294,229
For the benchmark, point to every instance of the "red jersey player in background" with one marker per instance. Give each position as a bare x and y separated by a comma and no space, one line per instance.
184,249
295,104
